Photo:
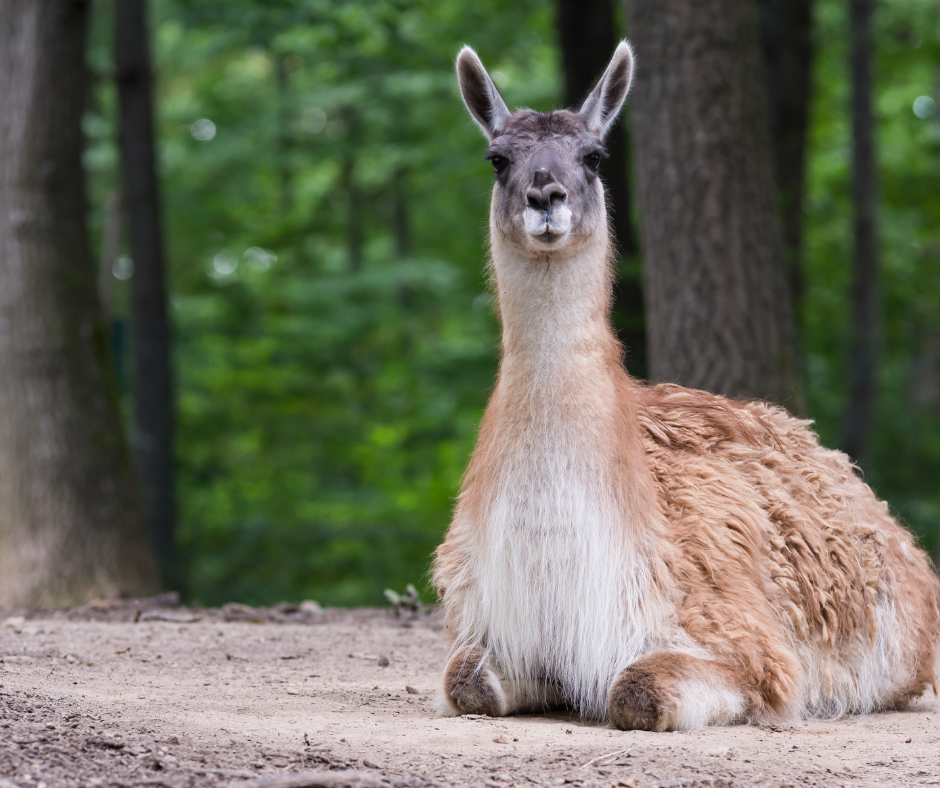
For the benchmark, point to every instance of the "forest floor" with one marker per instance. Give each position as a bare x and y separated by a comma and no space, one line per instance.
124,695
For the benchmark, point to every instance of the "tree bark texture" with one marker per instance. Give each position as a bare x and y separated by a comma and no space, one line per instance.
865,290
70,524
786,35
588,36
719,312
154,414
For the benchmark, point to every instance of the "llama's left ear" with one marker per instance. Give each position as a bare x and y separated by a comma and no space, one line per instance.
602,107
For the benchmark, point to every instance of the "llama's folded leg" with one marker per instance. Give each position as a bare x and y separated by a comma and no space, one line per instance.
470,687
668,691
474,685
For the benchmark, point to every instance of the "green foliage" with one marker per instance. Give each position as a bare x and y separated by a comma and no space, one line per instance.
906,442
334,335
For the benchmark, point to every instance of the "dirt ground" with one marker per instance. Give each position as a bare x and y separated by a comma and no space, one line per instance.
295,698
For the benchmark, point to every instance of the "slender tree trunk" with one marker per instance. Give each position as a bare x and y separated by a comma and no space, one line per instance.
587,34
153,378
865,290
719,312
70,525
354,223
285,185
402,220
110,241
786,35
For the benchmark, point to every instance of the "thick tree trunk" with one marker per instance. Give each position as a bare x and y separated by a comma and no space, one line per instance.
786,35
588,37
153,381
865,291
719,312
70,525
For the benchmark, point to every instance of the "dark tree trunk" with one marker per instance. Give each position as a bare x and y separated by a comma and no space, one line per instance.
786,35
285,181
719,312
588,37
402,220
153,379
110,241
355,235
865,291
70,524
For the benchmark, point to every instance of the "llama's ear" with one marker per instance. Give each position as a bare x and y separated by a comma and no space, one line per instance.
480,94
602,107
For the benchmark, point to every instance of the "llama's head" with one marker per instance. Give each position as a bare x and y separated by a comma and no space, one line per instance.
547,195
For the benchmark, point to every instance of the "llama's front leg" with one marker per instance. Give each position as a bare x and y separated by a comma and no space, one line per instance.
472,687
667,691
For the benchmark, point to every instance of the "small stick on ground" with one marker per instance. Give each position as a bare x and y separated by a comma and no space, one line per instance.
603,757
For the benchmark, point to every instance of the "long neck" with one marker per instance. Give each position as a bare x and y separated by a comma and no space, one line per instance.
555,312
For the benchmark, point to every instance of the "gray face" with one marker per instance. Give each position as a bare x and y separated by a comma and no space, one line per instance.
547,193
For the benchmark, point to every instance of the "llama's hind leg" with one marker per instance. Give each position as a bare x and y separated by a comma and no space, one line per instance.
669,691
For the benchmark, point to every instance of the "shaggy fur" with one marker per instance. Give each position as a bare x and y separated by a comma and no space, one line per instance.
657,557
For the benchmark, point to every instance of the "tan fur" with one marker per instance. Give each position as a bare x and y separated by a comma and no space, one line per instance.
776,539
651,555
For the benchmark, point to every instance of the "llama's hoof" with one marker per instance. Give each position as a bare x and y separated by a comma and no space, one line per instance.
637,701
472,688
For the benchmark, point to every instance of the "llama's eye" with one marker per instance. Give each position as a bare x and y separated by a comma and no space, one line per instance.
499,163
593,160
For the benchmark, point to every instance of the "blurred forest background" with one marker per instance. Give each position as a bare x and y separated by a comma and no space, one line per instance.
325,205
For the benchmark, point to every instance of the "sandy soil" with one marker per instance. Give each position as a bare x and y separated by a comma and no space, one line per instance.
285,699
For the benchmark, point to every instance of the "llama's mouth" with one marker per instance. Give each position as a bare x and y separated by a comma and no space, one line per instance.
548,228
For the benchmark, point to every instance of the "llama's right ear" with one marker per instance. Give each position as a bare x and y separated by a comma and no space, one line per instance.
480,94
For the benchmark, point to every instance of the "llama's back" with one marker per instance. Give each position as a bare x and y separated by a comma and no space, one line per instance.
786,564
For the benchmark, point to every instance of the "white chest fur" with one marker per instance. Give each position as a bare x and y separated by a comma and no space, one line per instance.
558,594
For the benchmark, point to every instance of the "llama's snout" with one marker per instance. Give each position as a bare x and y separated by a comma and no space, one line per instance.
547,215
545,192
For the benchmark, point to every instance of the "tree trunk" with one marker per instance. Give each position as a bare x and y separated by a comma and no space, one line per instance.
586,32
70,525
865,291
110,241
402,220
719,312
153,381
354,223
786,35
285,184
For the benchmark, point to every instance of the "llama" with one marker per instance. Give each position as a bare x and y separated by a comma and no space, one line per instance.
651,556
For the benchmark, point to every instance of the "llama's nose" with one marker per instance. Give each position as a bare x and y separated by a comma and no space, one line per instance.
545,191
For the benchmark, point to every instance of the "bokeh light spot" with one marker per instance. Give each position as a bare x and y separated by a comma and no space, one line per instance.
313,121
123,268
203,130
224,263
924,107
259,259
